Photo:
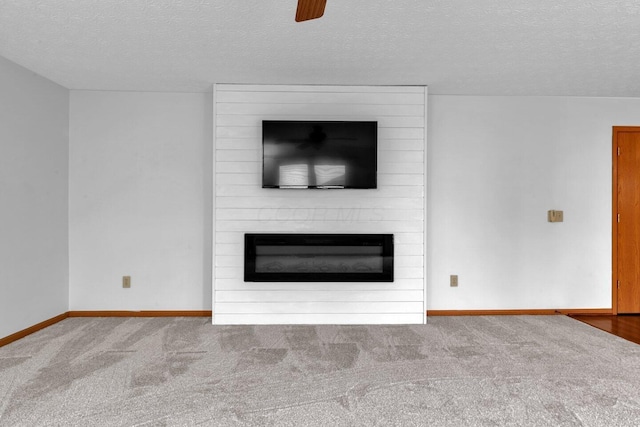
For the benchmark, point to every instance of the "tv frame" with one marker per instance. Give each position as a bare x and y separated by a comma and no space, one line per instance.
322,187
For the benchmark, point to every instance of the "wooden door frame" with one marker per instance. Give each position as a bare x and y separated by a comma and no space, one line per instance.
614,214
614,222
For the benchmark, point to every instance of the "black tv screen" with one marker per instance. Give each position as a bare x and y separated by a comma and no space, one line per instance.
319,154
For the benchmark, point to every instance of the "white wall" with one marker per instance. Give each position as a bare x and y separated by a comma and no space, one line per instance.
496,165
395,207
140,167
33,198
141,194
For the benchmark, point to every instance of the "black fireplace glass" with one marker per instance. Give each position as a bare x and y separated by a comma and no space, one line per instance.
318,257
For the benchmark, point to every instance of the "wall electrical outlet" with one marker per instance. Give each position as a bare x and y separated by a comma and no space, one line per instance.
453,280
126,281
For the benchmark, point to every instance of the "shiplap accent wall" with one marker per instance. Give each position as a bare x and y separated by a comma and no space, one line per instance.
241,206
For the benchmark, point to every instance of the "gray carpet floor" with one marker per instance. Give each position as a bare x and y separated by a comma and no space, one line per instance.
455,371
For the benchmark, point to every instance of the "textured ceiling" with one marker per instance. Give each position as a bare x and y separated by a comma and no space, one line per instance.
499,47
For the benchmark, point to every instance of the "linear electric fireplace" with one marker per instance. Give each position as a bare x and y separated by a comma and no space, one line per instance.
318,257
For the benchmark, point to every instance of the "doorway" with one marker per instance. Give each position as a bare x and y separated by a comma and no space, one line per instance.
626,220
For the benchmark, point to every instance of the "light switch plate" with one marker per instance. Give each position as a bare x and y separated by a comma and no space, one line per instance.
555,216
126,281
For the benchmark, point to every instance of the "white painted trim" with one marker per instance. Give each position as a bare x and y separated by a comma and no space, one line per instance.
319,88
213,207
426,211
319,319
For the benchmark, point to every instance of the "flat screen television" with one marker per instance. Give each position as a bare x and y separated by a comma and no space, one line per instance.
319,154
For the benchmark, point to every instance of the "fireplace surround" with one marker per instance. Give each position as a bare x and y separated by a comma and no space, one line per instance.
318,258
397,206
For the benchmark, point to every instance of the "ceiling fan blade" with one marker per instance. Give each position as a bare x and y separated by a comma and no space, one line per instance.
310,9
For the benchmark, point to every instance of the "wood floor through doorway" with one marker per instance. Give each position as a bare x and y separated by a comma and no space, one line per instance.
625,326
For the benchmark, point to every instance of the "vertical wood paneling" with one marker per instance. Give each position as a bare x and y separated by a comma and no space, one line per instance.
242,206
